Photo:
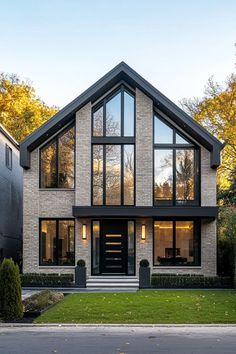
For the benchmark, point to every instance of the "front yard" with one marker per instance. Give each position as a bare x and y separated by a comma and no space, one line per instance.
165,306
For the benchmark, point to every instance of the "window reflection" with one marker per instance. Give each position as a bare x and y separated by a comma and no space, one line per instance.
113,174
128,115
98,174
163,243
48,166
185,242
66,251
163,133
66,148
98,122
163,174
113,116
48,242
128,174
185,174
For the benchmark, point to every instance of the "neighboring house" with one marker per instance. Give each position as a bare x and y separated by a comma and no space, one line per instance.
11,188
118,175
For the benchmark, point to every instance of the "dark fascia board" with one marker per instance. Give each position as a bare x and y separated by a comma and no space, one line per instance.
122,72
4,131
174,212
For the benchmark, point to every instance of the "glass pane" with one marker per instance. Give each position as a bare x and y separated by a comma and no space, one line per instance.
186,250
163,174
97,174
96,247
184,175
48,251
48,166
98,122
128,115
66,251
131,259
163,133
163,243
113,174
180,140
113,116
66,159
128,174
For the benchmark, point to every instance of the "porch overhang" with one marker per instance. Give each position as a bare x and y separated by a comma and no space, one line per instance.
207,212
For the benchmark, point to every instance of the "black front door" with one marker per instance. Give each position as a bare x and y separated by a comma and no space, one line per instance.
113,247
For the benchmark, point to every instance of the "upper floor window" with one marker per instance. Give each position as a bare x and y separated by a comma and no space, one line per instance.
8,157
57,161
176,166
114,116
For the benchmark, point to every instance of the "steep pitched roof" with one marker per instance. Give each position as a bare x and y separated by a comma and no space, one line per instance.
121,72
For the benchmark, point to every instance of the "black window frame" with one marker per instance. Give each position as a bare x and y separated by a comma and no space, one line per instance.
122,89
196,233
8,157
113,140
197,166
41,264
48,143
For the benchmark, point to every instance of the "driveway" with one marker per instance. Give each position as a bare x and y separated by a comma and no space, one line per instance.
118,340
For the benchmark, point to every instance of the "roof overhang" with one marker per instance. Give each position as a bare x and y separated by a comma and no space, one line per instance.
143,212
122,72
6,133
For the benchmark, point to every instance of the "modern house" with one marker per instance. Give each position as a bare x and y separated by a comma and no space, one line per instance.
11,189
119,175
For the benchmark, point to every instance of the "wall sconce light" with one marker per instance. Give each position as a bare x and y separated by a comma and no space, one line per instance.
84,232
143,232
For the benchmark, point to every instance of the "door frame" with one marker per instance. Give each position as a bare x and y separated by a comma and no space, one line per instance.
100,220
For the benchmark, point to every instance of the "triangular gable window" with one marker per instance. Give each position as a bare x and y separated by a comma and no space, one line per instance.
163,133
180,139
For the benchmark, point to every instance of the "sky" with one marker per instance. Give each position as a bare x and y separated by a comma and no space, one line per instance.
64,46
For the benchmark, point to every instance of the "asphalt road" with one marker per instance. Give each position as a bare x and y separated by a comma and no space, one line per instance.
118,340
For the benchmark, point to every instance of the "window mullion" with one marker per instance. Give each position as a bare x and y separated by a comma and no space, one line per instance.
57,242
174,177
174,241
122,175
122,111
104,174
57,162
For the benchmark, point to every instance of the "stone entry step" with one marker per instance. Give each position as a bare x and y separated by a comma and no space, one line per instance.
116,282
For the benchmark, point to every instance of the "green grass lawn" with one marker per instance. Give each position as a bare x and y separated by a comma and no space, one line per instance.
165,306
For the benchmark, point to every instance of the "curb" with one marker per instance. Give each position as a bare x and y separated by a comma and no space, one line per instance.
110,325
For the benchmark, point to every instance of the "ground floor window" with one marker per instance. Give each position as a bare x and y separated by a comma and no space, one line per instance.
57,242
176,243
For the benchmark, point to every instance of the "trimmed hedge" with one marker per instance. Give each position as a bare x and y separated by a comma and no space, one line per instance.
189,281
50,280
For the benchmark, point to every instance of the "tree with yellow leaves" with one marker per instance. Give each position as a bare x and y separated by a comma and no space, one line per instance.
21,111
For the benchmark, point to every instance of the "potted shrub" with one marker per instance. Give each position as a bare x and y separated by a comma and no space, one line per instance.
80,274
144,274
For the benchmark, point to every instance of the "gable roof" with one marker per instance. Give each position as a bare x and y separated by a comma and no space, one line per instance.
6,133
121,72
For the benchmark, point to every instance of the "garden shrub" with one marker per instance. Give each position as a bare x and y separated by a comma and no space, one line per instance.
47,280
11,307
42,300
174,281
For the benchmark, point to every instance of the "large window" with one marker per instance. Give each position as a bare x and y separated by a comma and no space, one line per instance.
114,116
176,167
176,243
57,161
113,149
113,175
57,242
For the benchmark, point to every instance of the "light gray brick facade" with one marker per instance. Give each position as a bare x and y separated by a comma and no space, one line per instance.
58,203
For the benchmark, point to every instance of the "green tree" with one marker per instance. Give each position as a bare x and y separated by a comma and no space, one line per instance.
21,111
216,111
10,291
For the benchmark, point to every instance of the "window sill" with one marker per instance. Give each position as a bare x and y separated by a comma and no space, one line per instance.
57,189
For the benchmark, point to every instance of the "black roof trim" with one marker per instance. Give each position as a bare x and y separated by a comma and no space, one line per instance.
175,212
121,72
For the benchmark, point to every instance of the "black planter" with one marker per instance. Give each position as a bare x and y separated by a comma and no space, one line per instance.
80,277
144,277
